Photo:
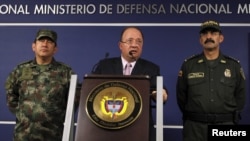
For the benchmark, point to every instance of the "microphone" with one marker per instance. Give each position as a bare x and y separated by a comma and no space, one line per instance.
94,67
131,54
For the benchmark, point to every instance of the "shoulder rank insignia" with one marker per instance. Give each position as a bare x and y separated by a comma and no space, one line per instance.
200,60
223,61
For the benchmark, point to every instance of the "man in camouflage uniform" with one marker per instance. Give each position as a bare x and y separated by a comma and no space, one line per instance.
37,92
210,87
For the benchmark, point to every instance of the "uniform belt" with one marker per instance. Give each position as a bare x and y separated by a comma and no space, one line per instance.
209,118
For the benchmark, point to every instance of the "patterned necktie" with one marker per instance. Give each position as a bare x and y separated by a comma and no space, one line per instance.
127,69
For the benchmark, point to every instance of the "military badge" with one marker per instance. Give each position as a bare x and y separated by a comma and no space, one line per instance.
227,73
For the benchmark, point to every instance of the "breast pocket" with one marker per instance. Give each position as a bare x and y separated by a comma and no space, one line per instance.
196,86
227,82
227,88
57,91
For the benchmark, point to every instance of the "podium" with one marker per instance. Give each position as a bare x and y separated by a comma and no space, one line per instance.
114,107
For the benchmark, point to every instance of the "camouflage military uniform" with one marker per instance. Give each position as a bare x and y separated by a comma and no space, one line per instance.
37,95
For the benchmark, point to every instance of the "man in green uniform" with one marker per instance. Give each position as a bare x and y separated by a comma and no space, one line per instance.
37,92
210,87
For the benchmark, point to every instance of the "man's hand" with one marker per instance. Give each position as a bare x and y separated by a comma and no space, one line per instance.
164,95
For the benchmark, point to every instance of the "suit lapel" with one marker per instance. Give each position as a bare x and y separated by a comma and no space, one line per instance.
118,66
137,70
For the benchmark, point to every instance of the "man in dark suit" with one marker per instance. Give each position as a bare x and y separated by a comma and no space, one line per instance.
131,44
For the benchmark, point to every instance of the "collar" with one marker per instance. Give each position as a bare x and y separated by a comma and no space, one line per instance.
220,58
124,62
34,63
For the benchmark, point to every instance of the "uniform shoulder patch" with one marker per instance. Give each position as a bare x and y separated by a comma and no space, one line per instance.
232,58
191,57
242,74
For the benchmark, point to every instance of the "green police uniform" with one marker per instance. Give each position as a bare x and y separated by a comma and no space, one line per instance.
37,95
209,92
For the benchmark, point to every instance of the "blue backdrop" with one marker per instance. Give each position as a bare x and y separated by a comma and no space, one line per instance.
170,29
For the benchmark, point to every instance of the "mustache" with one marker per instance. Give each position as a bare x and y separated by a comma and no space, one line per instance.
209,40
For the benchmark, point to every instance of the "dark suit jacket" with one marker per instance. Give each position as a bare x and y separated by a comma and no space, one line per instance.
142,67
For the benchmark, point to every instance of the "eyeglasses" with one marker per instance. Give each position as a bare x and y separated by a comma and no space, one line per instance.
130,41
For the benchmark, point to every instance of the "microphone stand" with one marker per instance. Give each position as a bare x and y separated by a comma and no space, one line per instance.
94,67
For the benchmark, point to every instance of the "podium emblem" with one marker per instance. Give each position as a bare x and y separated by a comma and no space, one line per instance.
113,105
